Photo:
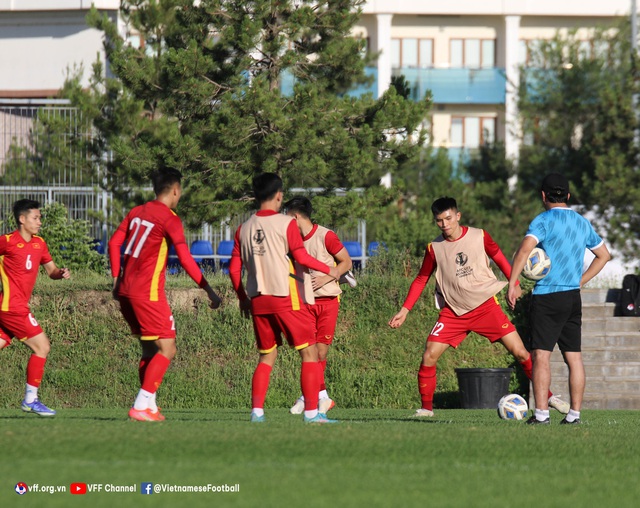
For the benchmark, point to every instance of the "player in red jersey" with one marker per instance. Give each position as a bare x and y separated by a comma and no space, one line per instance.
466,291
324,245
147,232
21,254
265,244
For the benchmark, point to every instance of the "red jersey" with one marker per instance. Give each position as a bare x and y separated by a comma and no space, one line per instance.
146,232
19,264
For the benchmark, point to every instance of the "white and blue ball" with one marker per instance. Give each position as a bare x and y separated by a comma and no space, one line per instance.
513,407
538,265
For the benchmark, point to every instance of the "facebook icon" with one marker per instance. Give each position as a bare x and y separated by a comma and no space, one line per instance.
146,488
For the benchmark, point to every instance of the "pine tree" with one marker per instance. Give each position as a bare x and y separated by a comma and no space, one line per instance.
203,93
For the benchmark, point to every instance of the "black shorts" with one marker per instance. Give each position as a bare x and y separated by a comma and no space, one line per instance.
556,318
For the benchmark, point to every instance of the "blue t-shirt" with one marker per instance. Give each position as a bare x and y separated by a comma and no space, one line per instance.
564,235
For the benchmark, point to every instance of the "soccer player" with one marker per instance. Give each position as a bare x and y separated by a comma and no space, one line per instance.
147,232
466,290
21,254
556,306
324,245
275,297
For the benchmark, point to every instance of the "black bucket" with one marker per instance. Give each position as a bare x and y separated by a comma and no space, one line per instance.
482,388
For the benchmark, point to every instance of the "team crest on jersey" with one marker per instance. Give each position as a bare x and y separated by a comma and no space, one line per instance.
36,245
258,236
461,259
20,245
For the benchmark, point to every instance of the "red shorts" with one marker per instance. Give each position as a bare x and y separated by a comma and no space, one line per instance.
148,320
487,320
296,325
21,325
325,314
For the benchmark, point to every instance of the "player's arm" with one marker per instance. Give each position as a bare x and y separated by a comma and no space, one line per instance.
115,248
235,273
416,288
56,273
602,257
176,235
302,257
341,256
498,257
519,260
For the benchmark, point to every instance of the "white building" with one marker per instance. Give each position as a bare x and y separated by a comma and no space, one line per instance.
467,52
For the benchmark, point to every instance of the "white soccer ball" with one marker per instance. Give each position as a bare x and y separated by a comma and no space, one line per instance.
513,407
538,265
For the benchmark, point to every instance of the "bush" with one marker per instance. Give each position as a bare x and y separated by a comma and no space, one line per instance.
69,241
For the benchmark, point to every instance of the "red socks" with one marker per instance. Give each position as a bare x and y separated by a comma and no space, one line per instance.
35,370
427,385
260,385
142,368
154,372
323,367
309,383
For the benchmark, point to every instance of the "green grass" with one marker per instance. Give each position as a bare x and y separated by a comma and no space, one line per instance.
466,458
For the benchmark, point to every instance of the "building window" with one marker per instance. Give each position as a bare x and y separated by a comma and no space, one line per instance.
411,53
472,53
472,131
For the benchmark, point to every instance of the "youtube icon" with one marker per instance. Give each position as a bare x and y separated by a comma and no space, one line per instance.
78,488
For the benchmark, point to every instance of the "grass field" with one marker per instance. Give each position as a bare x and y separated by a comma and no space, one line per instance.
374,458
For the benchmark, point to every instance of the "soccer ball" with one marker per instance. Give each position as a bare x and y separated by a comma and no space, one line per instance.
538,265
512,407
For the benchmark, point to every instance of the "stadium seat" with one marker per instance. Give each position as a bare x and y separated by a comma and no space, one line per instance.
374,248
355,251
203,248
173,265
98,246
225,248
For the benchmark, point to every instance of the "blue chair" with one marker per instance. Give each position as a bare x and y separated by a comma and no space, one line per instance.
225,248
373,249
355,251
173,264
203,248
97,245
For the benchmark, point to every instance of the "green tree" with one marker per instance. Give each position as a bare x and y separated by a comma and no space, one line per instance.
578,118
203,93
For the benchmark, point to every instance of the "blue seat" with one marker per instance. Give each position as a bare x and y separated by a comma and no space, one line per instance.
98,246
374,248
203,248
173,264
225,248
355,251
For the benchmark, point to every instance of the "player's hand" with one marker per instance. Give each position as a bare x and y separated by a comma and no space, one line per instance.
214,300
65,273
116,289
397,320
245,308
318,281
334,273
515,292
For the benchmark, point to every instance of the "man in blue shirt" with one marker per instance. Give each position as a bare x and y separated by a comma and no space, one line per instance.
556,307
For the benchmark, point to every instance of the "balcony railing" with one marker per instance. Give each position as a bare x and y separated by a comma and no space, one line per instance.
457,86
287,81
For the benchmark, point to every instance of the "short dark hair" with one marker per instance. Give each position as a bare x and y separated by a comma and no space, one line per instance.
301,205
265,186
22,207
443,204
163,179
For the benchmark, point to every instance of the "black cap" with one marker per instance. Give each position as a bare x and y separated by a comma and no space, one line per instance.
556,185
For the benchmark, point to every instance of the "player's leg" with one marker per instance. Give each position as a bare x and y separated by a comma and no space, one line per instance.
427,375
40,347
260,383
577,381
267,333
326,329
513,343
309,382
